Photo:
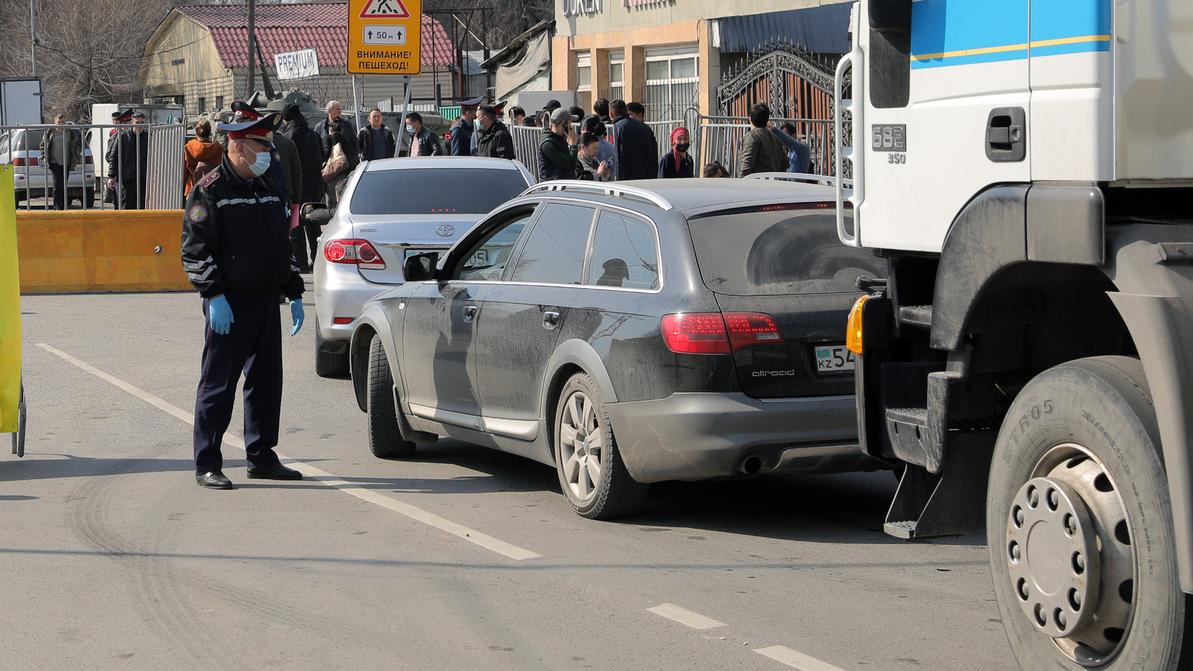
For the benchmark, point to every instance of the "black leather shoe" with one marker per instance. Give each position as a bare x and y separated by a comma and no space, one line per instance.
213,480
275,472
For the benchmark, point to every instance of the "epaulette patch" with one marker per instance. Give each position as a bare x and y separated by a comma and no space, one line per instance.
209,178
197,213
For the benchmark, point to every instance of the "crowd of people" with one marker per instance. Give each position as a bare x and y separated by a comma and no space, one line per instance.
614,143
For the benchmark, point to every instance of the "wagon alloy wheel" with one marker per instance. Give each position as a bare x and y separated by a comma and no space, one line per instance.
580,444
588,460
1070,556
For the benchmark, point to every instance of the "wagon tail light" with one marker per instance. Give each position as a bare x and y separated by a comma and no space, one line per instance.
88,160
359,253
717,333
22,161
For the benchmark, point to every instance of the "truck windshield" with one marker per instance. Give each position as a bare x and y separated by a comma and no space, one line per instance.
435,190
778,249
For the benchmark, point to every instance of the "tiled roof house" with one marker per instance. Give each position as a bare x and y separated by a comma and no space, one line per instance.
198,56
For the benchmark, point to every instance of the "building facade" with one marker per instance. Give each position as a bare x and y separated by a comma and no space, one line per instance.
672,55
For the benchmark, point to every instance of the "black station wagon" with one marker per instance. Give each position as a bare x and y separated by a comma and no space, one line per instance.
627,334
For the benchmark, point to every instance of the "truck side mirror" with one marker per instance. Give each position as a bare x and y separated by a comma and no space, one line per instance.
420,267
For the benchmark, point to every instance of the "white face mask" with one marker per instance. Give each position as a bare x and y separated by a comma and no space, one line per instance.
260,164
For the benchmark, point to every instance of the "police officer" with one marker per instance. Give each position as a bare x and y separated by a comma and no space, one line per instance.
236,251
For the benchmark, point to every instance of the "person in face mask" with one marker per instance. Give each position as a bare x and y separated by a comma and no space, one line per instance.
493,139
236,252
677,162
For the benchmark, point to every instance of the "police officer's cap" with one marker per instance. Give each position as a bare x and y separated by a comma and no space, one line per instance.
248,122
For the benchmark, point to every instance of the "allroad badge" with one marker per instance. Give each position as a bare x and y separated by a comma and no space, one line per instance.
445,230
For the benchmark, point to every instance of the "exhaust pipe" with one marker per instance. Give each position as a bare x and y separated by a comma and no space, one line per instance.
751,465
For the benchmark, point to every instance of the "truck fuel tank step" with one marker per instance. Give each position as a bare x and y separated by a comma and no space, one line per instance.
951,503
907,429
916,315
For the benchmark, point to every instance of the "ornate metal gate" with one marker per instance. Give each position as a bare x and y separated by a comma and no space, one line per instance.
794,83
797,85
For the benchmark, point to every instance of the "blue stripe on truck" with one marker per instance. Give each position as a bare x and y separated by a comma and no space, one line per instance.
962,32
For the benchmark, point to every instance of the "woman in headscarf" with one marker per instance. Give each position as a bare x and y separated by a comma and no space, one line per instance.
677,163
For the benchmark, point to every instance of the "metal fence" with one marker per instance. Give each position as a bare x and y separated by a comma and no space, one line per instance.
527,139
720,138
154,182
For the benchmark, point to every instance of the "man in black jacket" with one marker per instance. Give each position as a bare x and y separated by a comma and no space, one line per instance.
128,162
310,154
236,252
494,139
637,149
557,155
324,129
375,140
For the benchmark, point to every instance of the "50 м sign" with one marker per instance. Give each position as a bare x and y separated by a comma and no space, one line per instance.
385,37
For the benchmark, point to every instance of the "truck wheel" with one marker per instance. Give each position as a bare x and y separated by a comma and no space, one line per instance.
1079,523
385,439
328,364
590,469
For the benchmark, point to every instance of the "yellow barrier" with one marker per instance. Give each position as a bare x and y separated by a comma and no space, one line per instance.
10,310
96,251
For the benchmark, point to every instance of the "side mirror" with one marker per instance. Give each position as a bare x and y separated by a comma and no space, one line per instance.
420,267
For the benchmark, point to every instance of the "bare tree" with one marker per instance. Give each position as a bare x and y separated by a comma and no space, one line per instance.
88,50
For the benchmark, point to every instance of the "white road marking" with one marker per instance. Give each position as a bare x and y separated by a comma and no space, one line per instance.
323,477
685,617
794,659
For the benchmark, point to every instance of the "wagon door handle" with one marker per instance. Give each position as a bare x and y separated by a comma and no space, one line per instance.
470,312
550,319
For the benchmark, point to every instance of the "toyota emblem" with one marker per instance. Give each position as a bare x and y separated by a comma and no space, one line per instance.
445,230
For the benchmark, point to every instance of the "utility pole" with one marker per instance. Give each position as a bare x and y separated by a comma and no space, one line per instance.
33,34
252,46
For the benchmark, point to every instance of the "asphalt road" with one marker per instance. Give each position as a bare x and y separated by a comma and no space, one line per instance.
459,558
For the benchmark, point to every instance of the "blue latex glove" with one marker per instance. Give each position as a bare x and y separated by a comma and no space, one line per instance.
219,313
297,315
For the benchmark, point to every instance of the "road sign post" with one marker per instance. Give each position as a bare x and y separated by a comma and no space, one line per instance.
385,37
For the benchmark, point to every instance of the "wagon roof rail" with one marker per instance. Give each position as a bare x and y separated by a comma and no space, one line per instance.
827,180
601,188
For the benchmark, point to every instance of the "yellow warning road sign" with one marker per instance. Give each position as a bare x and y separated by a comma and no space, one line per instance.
385,37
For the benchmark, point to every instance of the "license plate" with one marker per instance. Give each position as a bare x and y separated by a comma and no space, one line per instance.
833,358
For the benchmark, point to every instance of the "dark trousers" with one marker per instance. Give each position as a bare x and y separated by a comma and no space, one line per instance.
314,230
298,245
128,199
254,346
59,173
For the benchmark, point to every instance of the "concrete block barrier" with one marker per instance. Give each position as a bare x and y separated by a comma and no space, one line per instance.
92,251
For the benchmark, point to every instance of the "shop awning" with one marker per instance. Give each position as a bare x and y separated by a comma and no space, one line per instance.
820,30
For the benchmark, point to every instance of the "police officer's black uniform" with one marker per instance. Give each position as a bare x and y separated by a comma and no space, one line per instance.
236,243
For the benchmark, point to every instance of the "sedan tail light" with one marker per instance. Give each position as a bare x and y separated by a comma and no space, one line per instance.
360,253
717,333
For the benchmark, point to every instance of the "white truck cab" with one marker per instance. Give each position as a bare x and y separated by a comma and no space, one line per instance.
1026,168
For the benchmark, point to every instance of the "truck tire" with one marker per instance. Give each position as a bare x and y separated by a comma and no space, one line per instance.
591,473
385,438
1076,479
328,364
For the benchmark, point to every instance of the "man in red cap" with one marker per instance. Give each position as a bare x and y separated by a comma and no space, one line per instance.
236,251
